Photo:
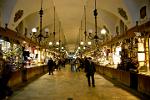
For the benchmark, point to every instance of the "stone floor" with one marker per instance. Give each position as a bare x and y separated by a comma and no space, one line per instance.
67,85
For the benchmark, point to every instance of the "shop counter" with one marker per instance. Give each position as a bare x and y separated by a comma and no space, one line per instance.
16,78
26,74
32,71
137,81
144,83
119,75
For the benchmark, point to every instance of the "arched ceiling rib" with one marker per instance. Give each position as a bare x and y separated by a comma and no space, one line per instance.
28,7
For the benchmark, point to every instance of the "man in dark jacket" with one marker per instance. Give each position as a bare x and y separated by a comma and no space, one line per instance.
90,70
50,66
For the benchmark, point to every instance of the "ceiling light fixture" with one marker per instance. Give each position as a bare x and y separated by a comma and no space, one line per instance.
85,32
89,43
90,35
103,31
54,43
34,30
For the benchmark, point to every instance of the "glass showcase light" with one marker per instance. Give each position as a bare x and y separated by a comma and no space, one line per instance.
24,42
34,30
141,56
103,31
46,30
1,41
82,43
62,47
50,43
57,43
89,43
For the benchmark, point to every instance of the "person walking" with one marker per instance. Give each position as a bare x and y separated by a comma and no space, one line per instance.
90,71
50,66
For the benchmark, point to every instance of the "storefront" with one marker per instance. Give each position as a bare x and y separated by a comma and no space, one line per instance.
116,57
11,51
129,51
143,54
21,50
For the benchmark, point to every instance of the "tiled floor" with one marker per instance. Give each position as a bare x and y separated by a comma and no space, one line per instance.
67,85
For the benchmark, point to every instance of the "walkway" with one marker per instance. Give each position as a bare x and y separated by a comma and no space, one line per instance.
67,85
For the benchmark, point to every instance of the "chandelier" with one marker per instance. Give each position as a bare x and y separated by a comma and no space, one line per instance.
56,44
85,32
92,36
40,36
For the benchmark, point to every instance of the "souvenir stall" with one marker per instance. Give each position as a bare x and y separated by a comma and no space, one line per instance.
135,50
115,55
143,55
134,59
34,58
110,56
43,56
24,55
33,55
102,56
13,51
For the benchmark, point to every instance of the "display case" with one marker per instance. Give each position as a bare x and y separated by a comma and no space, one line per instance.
143,54
13,52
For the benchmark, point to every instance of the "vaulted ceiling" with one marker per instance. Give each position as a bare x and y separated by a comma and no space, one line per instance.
70,13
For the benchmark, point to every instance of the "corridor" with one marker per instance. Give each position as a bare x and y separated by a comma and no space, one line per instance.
67,85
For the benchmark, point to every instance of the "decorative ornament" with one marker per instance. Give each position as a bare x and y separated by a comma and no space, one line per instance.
18,15
123,13
143,12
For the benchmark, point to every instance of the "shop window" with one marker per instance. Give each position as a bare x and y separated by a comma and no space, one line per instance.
141,57
5,46
143,54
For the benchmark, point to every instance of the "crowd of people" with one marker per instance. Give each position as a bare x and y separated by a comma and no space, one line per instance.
55,65
86,64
